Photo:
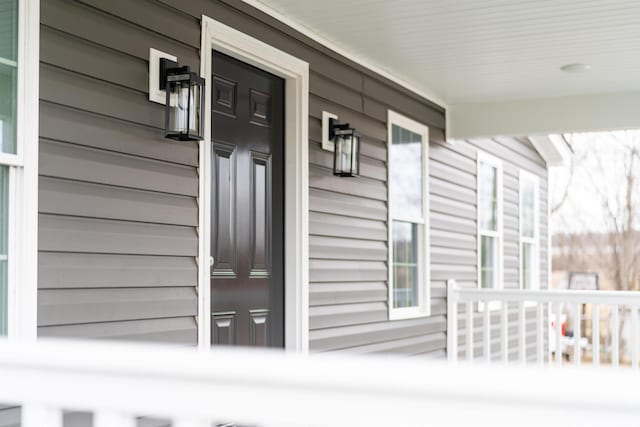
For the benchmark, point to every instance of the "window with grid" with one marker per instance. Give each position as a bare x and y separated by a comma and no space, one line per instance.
8,137
529,230
408,218
489,221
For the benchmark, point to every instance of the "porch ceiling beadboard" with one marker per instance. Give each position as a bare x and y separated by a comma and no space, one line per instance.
495,58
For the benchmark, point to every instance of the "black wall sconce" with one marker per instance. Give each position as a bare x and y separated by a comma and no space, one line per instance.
346,154
184,106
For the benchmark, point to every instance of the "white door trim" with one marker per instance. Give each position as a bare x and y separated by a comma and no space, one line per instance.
295,72
23,181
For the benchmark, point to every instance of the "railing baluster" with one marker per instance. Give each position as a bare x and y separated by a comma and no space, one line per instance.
558,332
634,336
577,326
38,415
615,335
452,321
540,332
469,321
190,422
595,334
522,333
504,338
106,418
487,332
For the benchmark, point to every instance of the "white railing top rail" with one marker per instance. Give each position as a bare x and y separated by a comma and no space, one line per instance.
265,388
560,305
560,296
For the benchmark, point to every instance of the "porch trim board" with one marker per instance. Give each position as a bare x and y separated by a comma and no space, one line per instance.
420,90
180,385
295,72
23,187
545,116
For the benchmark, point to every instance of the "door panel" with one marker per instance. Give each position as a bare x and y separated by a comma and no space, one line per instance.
223,211
259,332
224,328
247,215
260,214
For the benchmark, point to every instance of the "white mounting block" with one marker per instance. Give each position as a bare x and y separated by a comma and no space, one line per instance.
327,144
155,93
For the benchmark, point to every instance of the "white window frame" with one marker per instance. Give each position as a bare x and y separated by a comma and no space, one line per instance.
486,158
523,177
22,248
423,308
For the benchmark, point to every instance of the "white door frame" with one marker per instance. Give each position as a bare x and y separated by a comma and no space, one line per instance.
295,72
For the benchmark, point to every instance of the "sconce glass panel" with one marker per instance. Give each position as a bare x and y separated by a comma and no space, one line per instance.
346,157
185,103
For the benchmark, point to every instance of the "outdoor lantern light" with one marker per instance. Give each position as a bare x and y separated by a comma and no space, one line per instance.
184,101
346,154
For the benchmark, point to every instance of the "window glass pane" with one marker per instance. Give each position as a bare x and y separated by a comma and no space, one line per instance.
7,109
528,208
405,264
527,267
4,224
9,29
488,262
488,195
406,172
8,75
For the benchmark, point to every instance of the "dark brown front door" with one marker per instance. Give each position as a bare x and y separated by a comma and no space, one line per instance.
247,220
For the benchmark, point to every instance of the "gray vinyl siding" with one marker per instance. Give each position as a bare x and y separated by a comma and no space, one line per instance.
9,415
118,233
118,209
118,202
516,154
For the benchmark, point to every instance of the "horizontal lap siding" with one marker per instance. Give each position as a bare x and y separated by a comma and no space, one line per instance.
348,217
452,197
118,209
348,234
516,154
125,199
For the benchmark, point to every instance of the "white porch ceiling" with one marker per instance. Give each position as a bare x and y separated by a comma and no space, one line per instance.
487,52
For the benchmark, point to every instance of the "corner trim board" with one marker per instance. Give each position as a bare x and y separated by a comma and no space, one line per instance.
295,72
23,204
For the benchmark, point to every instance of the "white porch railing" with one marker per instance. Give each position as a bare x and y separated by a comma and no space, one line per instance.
545,301
118,382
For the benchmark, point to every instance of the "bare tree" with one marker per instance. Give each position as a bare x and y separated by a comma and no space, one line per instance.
573,162
604,234
621,206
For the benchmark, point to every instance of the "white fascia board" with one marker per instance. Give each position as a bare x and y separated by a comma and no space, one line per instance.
552,148
545,116
418,89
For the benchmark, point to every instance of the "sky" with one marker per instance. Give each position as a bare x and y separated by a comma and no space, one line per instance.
597,186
